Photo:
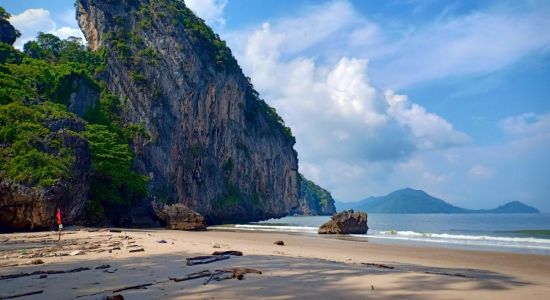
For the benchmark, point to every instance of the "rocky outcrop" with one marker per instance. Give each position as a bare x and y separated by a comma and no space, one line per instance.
23,207
314,200
178,216
346,222
79,93
8,34
214,146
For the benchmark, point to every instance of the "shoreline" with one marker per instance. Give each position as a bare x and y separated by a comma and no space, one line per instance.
422,242
306,267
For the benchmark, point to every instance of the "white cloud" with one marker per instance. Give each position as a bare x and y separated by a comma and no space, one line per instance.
527,125
480,172
347,129
479,42
65,32
34,20
402,55
430,130
210,10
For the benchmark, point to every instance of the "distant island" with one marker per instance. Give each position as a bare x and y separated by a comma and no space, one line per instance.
411,201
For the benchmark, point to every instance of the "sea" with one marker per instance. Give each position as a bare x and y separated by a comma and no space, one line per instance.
517,233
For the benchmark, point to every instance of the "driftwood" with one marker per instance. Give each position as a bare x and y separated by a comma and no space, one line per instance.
110,272
133,287
12,276
233,273
137,250
212,276
448,274
199,260
102,267
379,266
22,295
200,274
240,272
234,253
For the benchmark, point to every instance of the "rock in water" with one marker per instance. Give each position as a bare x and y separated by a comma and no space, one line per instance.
346,222
213,145
179,216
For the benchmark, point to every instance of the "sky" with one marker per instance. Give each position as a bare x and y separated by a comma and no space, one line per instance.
451,97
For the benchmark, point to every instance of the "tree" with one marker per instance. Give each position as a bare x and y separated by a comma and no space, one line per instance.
4,15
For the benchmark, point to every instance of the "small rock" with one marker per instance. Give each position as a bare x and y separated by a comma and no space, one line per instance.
216,245
162,242
76,252
37,262
280,243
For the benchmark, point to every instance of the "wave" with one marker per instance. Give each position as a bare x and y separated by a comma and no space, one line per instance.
274,228
478,240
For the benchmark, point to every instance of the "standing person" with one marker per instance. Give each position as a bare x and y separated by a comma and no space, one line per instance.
59,222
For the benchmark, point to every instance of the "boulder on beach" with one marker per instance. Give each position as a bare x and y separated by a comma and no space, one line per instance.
346,222
180,217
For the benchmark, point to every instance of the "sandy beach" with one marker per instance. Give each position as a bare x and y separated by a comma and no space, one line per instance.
306,267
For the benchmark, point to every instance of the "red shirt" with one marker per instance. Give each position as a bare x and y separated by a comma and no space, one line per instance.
58,216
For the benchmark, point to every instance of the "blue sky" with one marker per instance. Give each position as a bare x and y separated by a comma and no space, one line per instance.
447,96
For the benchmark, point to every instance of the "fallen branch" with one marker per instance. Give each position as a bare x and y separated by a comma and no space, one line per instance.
199,260
12,276
133,287
448,274
200,274
379,266
231,252
217,272
102,267
22,295
137,250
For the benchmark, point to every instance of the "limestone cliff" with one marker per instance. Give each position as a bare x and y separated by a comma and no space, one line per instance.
213,145
314,200
26,206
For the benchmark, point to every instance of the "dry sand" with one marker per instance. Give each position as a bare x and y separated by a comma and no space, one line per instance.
307,267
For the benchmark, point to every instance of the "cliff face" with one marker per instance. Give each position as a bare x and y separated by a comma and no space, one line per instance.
23,206
213,145
314,200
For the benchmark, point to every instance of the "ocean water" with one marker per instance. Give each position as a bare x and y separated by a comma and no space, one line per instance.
519,233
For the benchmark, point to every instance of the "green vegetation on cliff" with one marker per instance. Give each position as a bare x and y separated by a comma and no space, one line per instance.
35,92
321,195
29,153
